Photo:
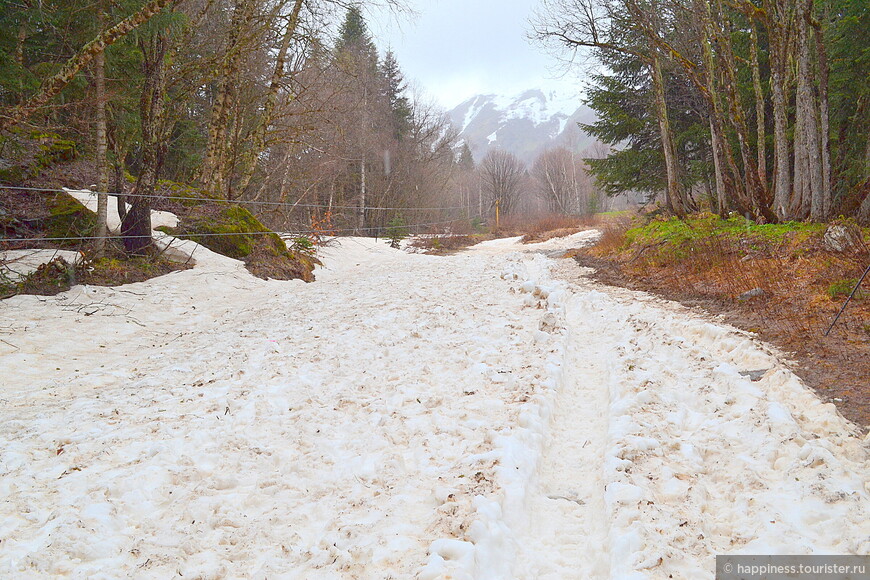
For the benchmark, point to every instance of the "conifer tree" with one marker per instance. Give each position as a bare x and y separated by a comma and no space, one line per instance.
394,89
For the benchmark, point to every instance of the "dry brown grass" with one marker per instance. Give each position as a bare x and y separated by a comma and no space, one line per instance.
442,244
546,227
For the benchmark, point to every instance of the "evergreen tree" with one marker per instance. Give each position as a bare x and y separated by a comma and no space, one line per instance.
466,159
394,89
355,45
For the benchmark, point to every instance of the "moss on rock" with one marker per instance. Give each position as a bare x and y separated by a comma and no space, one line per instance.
233,231
67,218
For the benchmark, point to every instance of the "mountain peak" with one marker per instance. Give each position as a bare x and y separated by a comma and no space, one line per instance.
524,124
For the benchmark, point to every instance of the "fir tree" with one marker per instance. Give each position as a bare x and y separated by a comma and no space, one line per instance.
394,88
466,159
354,43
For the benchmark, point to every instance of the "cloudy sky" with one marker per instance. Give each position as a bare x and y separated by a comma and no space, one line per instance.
455,49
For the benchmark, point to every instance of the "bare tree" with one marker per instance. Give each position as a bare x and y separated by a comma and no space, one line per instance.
502,174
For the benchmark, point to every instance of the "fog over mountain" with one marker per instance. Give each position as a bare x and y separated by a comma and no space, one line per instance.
524,125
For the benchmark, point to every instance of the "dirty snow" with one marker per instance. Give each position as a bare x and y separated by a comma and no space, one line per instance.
492,414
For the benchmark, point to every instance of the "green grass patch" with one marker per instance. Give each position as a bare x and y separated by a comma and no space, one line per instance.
678,239
702,226
842,289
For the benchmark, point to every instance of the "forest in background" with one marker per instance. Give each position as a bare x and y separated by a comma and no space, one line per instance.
754,106
285,106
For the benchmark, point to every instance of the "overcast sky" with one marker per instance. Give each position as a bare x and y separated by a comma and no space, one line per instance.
455,49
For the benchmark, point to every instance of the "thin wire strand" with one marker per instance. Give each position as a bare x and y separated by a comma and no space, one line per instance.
239,202
183,236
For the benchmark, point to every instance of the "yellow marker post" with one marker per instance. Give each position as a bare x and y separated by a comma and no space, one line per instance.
497,203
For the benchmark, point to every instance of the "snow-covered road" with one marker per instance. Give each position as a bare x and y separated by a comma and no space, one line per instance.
487,415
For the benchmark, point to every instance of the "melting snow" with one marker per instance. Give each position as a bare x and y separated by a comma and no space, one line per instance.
491,414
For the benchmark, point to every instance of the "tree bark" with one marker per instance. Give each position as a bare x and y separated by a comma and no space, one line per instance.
809,196
729,192
102,146
721,195
136,227
782,168
362,195
258,140
214,173
19,56
864,210
760,133
674,198
755,190
55,84
824,121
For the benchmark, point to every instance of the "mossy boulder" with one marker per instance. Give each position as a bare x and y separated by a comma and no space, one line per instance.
45,214
67,218
233,231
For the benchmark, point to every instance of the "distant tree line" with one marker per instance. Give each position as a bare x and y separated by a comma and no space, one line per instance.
754,106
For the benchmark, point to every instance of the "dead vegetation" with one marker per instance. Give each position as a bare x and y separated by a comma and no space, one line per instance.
552,226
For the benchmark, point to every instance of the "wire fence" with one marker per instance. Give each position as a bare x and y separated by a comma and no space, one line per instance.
239,201
458,214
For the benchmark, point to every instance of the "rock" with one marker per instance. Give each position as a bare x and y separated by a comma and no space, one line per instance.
842,238
754,376
754,293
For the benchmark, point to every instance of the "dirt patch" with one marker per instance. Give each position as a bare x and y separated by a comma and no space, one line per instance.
114,269
791,311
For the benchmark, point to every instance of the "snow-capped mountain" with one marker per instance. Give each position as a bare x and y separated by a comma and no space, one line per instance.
525,124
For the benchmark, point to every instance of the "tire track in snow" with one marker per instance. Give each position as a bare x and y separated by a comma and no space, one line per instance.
567,535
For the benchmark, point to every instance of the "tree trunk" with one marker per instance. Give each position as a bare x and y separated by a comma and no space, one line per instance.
118,181
754,189
102,146
674,198
258,139
728,189
362,195
782,169
722,204
214,174
55,84
864,211
809,200
19,58
136,227
760,137
824,122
